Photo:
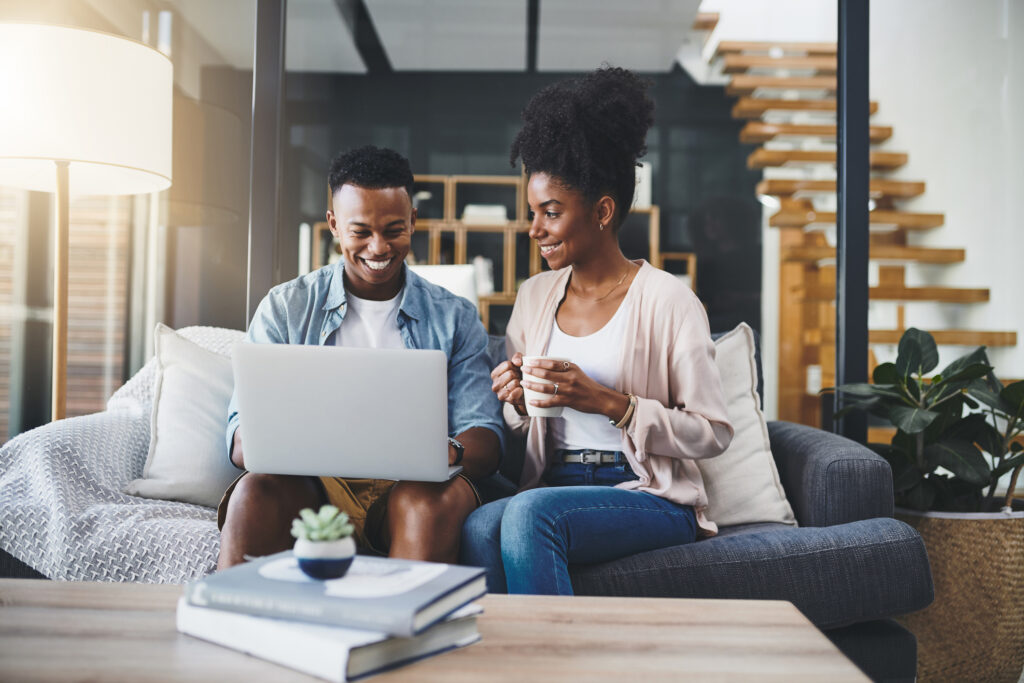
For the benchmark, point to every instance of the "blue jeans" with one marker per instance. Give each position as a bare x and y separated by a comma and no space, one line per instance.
526,542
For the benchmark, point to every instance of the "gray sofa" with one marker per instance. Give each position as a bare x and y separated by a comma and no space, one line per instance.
849,567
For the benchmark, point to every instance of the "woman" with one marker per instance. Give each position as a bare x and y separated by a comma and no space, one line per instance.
615,474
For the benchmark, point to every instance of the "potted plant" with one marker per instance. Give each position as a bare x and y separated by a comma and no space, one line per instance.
957,435
323,547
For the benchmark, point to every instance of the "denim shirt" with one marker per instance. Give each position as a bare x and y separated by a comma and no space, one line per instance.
308,309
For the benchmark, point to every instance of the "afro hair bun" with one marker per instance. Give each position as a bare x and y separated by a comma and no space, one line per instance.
588,132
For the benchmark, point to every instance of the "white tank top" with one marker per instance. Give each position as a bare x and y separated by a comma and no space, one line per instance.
370,324
598,355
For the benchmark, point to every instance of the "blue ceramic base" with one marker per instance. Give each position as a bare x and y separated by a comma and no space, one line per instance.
325,568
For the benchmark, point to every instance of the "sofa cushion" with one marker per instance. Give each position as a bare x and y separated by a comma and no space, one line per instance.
186,459
835,575
742,483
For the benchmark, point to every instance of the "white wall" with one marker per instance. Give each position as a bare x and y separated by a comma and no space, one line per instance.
949,77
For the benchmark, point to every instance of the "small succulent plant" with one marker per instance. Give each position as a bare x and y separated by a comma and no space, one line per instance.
330,524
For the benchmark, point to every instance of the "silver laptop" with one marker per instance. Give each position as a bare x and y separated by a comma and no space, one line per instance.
335,411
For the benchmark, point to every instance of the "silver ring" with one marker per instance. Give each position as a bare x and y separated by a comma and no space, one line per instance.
556,390
565,365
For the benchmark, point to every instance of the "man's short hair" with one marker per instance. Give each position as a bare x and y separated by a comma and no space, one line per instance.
372,168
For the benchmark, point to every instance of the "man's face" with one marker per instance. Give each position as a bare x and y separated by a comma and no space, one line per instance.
375,230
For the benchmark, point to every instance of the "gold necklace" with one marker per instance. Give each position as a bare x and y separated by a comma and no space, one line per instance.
606,294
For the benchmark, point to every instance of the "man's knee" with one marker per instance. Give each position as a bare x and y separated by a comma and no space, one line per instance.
271,490
446,502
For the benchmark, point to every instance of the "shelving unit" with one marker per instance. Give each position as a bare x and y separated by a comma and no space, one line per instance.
449,236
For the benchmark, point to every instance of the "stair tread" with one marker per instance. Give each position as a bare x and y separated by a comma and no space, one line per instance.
755,107
705,21
895,293
880,187
879,252
788,218
755,132
737,63
739,46
762,158
950,337
746,84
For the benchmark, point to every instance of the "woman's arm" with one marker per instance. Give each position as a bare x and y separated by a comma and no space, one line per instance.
695,423
508,373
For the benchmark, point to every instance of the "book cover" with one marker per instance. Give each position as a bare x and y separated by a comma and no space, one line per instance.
397,597
334,653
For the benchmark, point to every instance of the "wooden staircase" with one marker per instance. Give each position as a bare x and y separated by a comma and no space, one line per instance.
786,93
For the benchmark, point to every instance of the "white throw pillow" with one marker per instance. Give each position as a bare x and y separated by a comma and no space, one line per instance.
742,484
187,458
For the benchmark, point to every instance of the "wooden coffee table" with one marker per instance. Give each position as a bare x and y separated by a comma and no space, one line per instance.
58,631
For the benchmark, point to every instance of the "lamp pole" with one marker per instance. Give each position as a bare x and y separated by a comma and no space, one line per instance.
58,397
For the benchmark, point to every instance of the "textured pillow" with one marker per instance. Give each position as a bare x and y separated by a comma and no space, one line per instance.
186,458
742,483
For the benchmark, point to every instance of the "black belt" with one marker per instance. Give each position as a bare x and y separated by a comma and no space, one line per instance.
588,456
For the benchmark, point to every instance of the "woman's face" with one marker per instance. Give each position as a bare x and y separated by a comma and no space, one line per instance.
565,226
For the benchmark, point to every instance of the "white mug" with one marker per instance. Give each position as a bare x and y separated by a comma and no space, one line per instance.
531,395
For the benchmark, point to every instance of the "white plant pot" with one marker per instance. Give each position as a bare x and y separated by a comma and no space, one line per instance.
325,559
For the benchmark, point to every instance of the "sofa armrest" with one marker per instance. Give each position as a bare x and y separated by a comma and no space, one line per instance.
829,479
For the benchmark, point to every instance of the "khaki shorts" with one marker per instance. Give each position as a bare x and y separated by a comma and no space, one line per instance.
365,501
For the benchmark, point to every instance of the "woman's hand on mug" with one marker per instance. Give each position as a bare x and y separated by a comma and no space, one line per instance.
572,388
506,383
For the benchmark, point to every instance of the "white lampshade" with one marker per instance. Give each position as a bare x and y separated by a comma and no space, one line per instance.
99,101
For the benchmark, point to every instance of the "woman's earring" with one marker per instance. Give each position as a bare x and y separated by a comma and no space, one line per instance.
601,226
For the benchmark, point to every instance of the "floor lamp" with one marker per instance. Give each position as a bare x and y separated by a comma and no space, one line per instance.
81,111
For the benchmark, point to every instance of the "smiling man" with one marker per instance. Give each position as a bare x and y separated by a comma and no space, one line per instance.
370,299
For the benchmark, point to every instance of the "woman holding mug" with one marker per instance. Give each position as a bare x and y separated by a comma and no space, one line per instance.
629,359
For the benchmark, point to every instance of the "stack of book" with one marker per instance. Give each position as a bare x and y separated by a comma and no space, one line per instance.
382,614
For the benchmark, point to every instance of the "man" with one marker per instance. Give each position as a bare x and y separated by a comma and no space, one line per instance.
370,299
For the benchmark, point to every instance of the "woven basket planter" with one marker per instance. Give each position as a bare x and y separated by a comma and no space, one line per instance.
974,631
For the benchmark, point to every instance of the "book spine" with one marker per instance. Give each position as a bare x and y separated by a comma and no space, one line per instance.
352,615
329,663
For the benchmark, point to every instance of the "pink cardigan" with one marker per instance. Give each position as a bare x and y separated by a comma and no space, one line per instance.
668,362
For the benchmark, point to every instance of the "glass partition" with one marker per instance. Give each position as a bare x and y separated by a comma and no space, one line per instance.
177,257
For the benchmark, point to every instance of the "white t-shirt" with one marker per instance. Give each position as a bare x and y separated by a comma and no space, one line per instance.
370,324
598,355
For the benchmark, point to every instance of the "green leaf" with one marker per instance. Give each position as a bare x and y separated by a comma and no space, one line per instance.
966,428
863,389
962,458
309,517
977,357
1007,466
906,445
917,353
919,497
963,377
1013,394
327,513
886,373
911,420
981,390
904,475
990,440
